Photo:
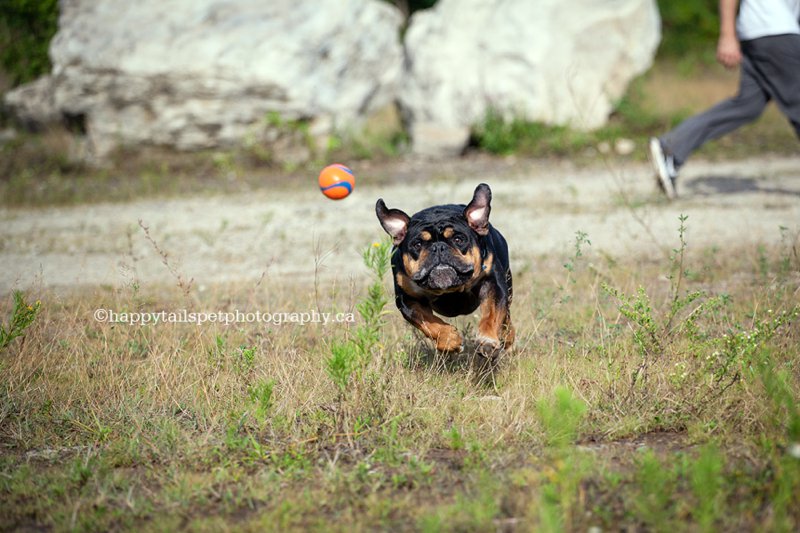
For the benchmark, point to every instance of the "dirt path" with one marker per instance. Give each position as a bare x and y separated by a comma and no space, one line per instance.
538,206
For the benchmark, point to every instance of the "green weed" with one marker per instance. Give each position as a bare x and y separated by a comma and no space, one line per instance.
475,510
22,316
581,240
500,135
261,396
455,438
571,264
656,484
712,357
245,359
708,485
561,416
350,357
342,363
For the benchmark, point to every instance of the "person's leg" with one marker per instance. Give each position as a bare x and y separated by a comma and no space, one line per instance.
725,117
777,65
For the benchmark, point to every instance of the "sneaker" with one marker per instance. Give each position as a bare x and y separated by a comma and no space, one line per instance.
664,165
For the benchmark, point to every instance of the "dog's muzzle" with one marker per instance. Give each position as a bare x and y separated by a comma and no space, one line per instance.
442,277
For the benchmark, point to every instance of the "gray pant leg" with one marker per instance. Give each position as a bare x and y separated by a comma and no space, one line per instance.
720,119
777,66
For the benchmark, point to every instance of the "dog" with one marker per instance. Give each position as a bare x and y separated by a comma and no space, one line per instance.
450,260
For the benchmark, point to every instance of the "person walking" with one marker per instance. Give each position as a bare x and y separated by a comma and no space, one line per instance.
764,38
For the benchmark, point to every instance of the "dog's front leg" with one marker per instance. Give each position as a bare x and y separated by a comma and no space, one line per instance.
446,337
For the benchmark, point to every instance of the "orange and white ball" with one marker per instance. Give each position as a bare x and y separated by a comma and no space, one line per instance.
336,181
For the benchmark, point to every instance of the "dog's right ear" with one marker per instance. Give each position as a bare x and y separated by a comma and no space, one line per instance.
394,221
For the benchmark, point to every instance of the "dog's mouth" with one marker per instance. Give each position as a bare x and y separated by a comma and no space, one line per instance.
443,276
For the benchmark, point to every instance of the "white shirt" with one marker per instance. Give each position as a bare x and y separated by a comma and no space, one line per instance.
760,18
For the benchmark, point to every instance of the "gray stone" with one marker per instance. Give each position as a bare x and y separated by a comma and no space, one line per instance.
624,146
556,62
196,74
215,73
439,139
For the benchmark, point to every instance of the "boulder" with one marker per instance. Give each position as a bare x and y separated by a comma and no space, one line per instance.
557,62
193,74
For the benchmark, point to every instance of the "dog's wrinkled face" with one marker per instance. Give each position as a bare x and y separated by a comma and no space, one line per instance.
439,246
438,253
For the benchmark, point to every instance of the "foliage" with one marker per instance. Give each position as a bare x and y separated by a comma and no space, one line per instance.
26,27
261,396
560,417
22,316
350,357
688,27
341,364
503,133
206,426
712,358
499,134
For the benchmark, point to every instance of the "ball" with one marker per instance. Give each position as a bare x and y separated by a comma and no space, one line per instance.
336,181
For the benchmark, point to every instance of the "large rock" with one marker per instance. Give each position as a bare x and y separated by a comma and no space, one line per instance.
557,62
206,73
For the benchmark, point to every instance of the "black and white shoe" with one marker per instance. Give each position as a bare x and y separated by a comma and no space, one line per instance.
664,166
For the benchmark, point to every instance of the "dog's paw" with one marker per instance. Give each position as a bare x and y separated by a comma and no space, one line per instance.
450,341
489,348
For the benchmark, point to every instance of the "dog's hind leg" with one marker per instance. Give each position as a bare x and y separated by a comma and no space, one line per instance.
495,331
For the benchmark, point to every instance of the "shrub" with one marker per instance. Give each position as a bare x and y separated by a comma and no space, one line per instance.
26,27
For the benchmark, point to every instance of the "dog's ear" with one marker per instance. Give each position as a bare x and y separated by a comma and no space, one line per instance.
477,212
394,221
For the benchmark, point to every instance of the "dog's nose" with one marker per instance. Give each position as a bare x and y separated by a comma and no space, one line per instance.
438,248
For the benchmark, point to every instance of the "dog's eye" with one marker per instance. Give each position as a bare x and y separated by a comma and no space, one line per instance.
416,245
459,239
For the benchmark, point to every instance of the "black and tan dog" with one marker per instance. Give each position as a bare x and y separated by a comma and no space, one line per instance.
450,260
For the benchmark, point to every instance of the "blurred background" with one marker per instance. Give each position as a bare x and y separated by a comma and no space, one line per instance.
134,100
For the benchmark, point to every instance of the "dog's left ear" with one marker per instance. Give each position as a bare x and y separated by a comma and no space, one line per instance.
477,212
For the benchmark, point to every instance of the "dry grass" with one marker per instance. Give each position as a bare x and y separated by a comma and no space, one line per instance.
109,426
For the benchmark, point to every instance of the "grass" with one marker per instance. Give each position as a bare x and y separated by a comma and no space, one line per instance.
642,395
641,405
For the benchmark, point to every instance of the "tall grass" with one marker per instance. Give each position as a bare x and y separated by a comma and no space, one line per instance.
107,426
